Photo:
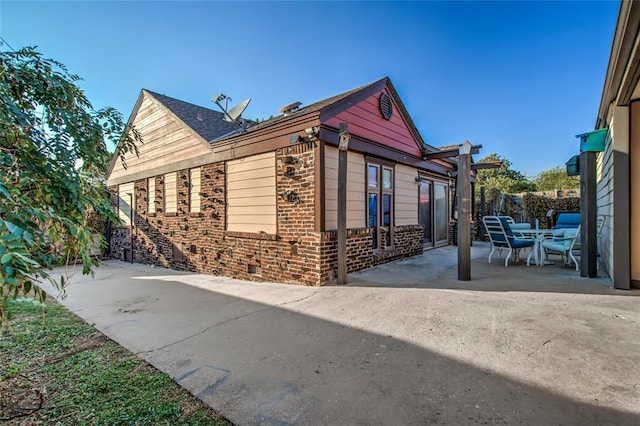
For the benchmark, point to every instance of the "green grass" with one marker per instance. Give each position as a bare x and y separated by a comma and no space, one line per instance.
60,370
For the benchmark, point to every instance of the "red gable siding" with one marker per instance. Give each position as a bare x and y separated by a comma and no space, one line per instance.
365,120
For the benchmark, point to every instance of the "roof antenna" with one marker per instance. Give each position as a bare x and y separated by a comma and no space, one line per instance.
235,114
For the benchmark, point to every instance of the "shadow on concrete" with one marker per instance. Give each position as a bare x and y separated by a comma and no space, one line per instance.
271,365
437,268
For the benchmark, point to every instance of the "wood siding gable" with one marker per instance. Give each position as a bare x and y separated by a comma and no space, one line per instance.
166,140
362,111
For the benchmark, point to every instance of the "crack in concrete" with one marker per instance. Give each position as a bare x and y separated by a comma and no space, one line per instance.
225,322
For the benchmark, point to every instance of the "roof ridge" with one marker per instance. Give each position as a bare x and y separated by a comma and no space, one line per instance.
342,95
156,94
206,122
314,107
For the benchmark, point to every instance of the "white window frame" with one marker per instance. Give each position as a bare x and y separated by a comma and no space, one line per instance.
171,192
195,189
379,190
151,195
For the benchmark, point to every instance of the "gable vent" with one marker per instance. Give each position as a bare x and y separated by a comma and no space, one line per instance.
290,108
386,106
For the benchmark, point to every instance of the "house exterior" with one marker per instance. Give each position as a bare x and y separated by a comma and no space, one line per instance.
618,167
262,204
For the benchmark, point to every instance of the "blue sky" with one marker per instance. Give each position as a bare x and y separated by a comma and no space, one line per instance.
520,78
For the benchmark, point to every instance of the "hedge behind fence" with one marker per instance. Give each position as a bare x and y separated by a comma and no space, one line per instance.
531,207
536,207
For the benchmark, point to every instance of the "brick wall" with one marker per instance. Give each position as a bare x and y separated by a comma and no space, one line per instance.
407,241
297,254
199,241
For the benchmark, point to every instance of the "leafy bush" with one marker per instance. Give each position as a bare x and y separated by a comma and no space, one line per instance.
53,156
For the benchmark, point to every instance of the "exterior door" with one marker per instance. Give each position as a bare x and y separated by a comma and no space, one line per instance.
425,211
434,212
441,213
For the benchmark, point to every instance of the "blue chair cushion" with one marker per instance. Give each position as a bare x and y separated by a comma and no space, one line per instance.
558,235
518,243
568,220
506,226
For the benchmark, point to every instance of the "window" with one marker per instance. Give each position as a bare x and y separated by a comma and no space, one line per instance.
151,195
125,201
170,194
194,193
380,202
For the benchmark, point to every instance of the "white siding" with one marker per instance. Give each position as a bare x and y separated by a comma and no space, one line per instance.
406,196
194,196
165,140
170,193
251,194
124,202
151,195
355,189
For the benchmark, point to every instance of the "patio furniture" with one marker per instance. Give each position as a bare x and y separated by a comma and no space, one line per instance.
564,241
538,235
515,227
568,220
502,237
518,232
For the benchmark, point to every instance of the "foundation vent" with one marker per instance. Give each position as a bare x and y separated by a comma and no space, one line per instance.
254,270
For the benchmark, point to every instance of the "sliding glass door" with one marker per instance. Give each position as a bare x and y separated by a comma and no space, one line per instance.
434,212
425,211
441,213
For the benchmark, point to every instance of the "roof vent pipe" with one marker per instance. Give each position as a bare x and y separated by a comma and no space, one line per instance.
290,108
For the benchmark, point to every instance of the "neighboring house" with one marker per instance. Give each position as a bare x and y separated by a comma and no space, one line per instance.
262,204
618,167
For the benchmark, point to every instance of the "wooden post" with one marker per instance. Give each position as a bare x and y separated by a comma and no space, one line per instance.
483,212
463,186
588,206
342,202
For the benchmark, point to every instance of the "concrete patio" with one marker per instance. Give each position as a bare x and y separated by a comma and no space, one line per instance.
402,343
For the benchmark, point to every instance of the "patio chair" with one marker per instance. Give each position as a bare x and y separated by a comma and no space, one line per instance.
600,221
502,237
568,220
564,242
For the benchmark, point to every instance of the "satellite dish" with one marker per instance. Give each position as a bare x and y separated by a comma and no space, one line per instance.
235,113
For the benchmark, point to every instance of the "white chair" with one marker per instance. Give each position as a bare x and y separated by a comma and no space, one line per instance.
502,237
563,242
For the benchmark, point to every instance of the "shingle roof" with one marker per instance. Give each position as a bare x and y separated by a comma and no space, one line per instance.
206,122
315,107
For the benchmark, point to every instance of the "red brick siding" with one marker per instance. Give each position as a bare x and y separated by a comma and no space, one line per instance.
297,254
201,243
407,241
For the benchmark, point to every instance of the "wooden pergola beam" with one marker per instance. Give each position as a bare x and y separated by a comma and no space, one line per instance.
448,153
486,165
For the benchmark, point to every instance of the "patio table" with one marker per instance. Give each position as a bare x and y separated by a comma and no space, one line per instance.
538,236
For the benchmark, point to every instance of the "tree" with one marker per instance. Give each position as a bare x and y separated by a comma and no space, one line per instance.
556,178
503,178
53,152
